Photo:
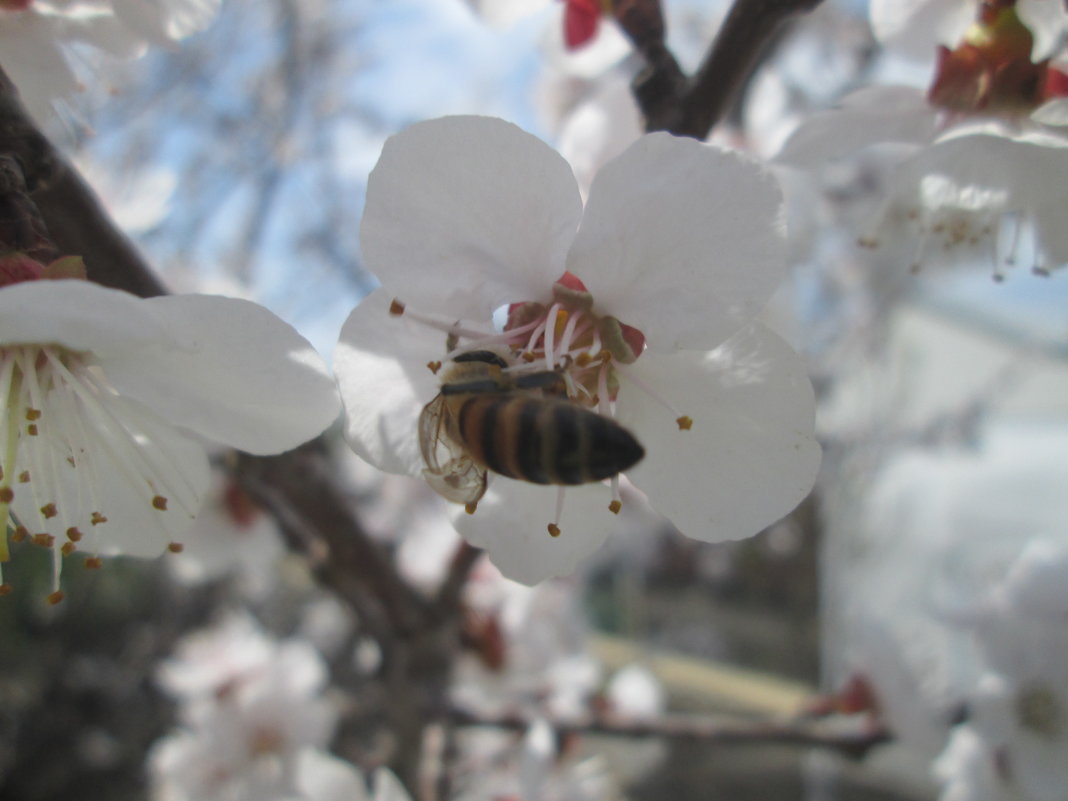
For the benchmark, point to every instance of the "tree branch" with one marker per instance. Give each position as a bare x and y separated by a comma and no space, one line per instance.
670,102
854,742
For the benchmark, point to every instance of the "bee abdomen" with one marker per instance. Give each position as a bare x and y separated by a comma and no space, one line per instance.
545,441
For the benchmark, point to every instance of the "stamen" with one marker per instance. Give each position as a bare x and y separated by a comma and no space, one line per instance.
471,507
554,527
504,338
569,331
452,328
550,335
685,422
617,500
55,597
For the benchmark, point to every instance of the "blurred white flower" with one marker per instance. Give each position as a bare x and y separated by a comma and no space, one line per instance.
250,709
468,215
100,389
230,537
978,177
34,35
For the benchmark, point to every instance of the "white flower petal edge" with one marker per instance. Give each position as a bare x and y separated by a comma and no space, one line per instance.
750,457
266,389
380,363
510,524
485,200
681,240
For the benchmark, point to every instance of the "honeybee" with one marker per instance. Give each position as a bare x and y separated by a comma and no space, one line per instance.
522,427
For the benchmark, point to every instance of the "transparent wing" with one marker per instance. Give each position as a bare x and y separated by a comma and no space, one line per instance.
449,470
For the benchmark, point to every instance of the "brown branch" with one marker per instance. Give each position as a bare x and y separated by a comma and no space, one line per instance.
670,102
76,221
854,742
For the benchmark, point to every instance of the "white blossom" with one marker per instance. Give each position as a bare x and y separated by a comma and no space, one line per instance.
106,397
35,36
680,245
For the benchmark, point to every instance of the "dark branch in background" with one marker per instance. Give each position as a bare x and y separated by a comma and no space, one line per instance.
669,100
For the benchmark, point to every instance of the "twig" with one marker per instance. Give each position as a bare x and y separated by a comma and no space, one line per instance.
670,102
855,742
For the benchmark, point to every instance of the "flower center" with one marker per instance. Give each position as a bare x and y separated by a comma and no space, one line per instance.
64,446
991,71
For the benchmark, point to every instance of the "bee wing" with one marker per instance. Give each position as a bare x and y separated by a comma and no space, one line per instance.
450,472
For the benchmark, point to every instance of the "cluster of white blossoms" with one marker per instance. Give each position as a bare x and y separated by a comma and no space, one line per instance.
982,155
35,34
255,723
642,302
106,399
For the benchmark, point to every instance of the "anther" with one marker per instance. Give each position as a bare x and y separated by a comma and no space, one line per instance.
19,534
96,518
685,423
31,429
93,562
55,597
433,367
49,511
43,540
74,534
68,548
615,506
470,507
6,589
24,477
396,308
554,530
33,414
159,502
7,495
175,547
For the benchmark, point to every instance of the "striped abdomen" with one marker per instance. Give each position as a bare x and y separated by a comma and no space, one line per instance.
542,440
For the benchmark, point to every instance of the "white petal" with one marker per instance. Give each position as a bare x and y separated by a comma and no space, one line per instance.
388,787
465,214
681,240
380,362
916,27
751,455
166,21
1055,112
866,117
511,523
323,777
79,315
236,373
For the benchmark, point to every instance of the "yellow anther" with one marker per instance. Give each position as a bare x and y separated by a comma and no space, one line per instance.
96,518
93,562
615,506
49,511
43,540
470,507
31,429
74,534
554,530
68,548
685,423
56,597
24,477
433,367
396,308
175,547
7,495
159,502
33,414
19,534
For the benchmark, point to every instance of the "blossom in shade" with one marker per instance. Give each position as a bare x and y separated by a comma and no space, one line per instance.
107,395
642,304
982,154
34,36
